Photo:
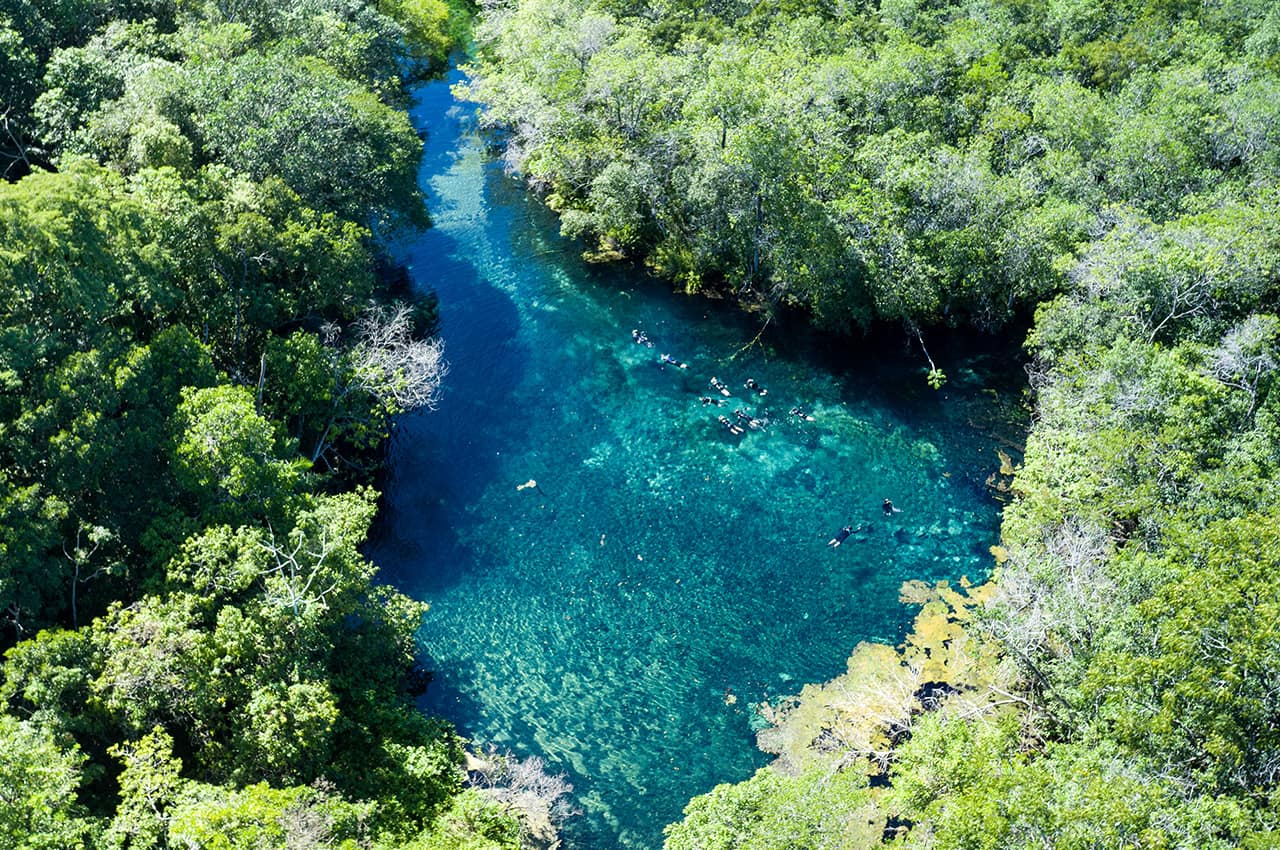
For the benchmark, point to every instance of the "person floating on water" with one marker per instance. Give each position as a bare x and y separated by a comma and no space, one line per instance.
841,536
889,509
720,385
800,413
747,419
706,399
728,425
668,360
755,387
641,338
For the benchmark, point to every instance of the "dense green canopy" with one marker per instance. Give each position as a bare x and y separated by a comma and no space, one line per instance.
196,368
926,161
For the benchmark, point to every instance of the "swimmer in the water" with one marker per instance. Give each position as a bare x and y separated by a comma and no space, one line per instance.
720,385
800,413
841,536
668,360
728,425
755,387
889,509
641,338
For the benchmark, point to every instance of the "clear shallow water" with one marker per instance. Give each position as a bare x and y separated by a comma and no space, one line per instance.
620,618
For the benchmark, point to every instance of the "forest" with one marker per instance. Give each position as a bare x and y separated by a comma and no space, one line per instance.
203,349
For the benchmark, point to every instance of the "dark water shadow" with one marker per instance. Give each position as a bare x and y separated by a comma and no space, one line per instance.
440,460
442,697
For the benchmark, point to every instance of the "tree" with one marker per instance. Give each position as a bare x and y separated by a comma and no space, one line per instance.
149,786
17,93
1191,687
820,809
336,145
39,780
261,816
338,396
229,457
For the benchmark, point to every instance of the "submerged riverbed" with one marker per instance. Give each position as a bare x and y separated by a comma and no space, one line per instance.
620,616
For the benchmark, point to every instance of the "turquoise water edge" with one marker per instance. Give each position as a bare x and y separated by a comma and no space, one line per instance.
621,617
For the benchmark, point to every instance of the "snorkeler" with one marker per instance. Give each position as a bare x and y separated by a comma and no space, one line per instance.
641,338
746,418
668,360
841,536
889,509
755,387
800,413
706,399
728,425
720,385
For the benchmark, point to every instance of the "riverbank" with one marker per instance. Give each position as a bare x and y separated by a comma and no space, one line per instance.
198,360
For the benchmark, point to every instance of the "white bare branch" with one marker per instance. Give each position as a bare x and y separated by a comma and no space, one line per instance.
402,372
1245,355
296,570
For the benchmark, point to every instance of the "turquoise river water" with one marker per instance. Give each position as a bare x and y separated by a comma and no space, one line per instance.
620,618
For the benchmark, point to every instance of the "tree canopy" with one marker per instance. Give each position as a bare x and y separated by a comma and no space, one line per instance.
198,363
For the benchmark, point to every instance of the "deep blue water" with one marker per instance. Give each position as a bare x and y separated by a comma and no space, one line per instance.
620,618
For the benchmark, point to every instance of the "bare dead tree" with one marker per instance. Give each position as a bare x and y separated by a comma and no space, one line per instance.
89,539
306,826
1245,355
400,371
526,786
385,362
1051,603
17,152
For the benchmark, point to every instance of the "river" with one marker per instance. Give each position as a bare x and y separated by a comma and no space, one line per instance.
620,616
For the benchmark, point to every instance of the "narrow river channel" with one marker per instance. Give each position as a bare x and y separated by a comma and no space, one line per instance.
621,617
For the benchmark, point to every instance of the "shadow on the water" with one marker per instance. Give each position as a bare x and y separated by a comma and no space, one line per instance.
440,461
442,697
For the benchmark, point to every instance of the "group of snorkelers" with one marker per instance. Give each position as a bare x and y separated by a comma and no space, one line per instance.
742,420
843,534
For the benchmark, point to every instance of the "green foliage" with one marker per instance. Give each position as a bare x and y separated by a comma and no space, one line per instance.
969,789
820,808
432,27
38,782
262,816
197,653
224,449
149,784
1189,684
337,146
935,162
472,822
39,778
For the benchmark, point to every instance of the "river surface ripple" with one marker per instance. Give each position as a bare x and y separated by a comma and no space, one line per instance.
621,617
